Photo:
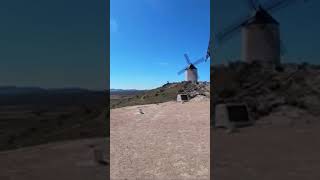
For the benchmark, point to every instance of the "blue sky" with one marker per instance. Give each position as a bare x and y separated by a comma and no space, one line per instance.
299,29
149,38
53,43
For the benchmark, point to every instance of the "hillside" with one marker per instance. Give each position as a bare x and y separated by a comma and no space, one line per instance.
167,92
292,90
35,116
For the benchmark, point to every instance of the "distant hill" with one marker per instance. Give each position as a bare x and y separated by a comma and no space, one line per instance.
9,90
12,95
33,115
14,90
119,90
125,91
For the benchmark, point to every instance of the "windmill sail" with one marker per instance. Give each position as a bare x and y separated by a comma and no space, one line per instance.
209,49
187,59
260,31
276,5
232,30
252,4
270,6
199,61
181,71
191,66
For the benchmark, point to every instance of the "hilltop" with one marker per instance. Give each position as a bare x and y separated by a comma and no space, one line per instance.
165,93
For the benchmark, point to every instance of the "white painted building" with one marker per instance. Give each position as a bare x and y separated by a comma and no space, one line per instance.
261,39
191,74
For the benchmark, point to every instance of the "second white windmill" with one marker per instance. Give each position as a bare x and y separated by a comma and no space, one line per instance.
191,72
260,32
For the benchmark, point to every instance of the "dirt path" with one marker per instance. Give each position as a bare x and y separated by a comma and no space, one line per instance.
270,152
164,141
72,160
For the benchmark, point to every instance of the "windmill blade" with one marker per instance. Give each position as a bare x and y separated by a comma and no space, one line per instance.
208,54
182,71
278,4
211,45
230,31
199,61
216,42
226,35
187,58
252,4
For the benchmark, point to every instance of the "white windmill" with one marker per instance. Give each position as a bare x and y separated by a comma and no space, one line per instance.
260,32
191,72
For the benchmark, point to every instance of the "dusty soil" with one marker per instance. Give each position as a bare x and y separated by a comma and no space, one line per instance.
30,125
280,151
72,160
160,141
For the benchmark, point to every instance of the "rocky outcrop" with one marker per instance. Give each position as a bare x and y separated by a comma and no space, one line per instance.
195,89
266,89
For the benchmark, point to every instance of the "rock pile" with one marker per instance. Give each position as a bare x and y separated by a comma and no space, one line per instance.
265,90
201,90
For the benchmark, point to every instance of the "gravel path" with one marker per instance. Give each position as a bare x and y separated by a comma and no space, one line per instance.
72,160
165,141
271,152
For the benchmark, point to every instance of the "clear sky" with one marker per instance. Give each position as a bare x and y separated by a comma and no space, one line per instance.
149,38
53,43
299,29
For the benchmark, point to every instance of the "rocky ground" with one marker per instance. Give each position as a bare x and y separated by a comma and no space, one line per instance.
191,89
291,88
67,160
266,152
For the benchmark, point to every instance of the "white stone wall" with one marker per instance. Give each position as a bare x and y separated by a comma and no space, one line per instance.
191,75
261,42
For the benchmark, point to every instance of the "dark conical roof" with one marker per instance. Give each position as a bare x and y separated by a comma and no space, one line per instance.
192,67
262,17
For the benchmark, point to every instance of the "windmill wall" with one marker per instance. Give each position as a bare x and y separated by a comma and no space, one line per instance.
191,75
261,42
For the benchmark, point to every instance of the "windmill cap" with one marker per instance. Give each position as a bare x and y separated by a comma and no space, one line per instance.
261,17
192,67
